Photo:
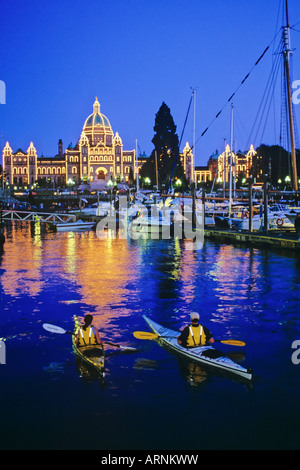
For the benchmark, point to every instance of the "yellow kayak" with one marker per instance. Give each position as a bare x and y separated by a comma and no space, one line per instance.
91,355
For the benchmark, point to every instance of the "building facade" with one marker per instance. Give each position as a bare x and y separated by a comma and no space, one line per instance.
97,157
218,167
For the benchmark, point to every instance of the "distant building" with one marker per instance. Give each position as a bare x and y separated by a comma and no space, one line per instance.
187,162
97,157
218,167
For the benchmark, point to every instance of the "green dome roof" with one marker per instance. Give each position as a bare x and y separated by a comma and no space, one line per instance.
96,119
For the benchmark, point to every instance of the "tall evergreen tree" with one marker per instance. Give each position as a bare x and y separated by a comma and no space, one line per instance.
164,160
276,162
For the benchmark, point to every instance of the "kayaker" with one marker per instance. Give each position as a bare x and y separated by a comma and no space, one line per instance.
195,334
88,335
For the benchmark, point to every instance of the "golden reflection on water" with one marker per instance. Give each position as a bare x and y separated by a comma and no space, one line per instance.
99,269
104,268
106,272
22,264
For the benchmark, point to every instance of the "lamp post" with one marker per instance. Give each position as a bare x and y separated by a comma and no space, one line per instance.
287,179
178,183
250,203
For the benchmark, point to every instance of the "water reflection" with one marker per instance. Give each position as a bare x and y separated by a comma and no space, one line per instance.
21,266
118,280
241,293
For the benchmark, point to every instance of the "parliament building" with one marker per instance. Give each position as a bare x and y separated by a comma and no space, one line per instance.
97,157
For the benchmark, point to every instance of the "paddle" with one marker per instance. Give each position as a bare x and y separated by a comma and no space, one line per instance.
146,335
61,331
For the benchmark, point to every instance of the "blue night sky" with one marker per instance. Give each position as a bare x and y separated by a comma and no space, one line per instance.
56,56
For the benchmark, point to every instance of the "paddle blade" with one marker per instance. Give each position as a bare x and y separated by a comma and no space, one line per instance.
233,342
120,346
54,328
144,335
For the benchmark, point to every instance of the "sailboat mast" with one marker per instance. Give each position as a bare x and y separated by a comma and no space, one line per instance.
231,160
194,137
287,53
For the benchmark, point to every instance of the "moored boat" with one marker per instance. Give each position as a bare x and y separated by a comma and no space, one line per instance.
206,355
74,226
150,225
92,355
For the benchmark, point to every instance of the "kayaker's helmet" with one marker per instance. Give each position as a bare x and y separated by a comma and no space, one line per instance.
195,316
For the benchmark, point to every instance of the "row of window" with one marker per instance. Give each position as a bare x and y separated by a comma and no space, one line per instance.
100,159
118,170
20,160
59,171
74,159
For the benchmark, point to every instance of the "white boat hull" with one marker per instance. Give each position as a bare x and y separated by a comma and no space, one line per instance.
200,354
74,226
149,225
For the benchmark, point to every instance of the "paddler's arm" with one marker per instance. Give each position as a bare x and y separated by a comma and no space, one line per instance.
209,336
182,338
98,337
77,339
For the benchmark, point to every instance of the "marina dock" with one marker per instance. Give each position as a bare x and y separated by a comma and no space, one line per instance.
282,239
271,239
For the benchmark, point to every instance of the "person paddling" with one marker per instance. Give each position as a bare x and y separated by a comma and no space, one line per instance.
87,334
195,334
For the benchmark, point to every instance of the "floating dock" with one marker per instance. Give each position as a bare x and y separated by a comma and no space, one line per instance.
273,239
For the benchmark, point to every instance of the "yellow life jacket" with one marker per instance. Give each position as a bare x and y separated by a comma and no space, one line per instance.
196,337
87,337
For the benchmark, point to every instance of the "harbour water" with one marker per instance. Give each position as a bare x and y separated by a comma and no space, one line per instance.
150,399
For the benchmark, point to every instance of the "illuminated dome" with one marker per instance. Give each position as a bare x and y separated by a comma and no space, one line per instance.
96,124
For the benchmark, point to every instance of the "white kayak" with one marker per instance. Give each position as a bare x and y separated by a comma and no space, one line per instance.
206,355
